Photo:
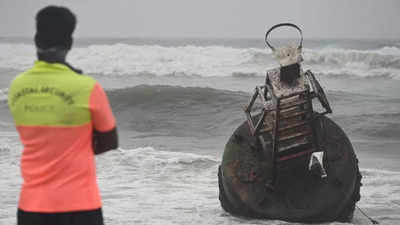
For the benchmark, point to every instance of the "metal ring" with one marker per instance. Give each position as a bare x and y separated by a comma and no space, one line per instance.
283,25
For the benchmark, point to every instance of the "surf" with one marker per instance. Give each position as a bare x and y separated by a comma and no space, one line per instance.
121,59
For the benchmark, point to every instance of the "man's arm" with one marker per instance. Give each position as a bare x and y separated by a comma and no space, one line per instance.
105,136
105,141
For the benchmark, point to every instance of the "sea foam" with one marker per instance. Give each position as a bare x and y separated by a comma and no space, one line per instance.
123,59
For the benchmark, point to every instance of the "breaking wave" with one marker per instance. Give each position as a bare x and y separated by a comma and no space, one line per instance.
124,59
206,112
383,63
149,157
178,111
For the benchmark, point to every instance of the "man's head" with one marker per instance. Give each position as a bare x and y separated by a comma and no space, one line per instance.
54,28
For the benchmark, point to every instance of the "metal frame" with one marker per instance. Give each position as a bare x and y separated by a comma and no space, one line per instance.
258,128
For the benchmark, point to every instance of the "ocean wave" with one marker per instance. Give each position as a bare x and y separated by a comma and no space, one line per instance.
124,59
380,189
383,63
206,112
158,157
373,173
159,95
389,50
374,125
343,73
244,75
178,111
153,160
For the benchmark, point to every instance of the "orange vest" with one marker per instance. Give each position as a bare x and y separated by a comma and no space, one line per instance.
55,111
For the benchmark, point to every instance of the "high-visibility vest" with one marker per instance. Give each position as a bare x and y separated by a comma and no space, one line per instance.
55,111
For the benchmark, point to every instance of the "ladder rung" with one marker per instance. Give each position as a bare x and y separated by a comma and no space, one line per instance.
299,93
290,105
307,132
294,109
304,142
293,125
293,115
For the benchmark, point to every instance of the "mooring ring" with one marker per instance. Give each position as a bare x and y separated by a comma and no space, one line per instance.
283,25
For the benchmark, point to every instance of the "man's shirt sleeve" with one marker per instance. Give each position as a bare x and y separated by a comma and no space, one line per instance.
102,117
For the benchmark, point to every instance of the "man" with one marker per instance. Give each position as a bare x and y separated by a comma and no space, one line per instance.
63,119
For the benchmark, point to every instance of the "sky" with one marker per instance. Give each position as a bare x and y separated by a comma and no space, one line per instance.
212,18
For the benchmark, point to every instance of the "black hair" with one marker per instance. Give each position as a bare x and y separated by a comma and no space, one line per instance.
54,28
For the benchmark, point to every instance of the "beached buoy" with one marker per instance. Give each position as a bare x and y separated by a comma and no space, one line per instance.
288,161
298,194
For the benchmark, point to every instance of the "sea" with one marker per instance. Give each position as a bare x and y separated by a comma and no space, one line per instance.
178,100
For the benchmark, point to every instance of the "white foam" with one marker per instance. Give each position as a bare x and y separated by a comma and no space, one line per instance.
190,60
384,62
159,187
10,178
148,186
124,59
389,50
380,190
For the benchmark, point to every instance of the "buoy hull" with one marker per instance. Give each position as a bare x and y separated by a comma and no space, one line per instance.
297,195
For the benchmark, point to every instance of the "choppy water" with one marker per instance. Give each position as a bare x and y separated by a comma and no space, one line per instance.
178,101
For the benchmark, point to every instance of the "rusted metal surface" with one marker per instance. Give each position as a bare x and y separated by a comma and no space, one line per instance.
286,114
297,194
266,170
